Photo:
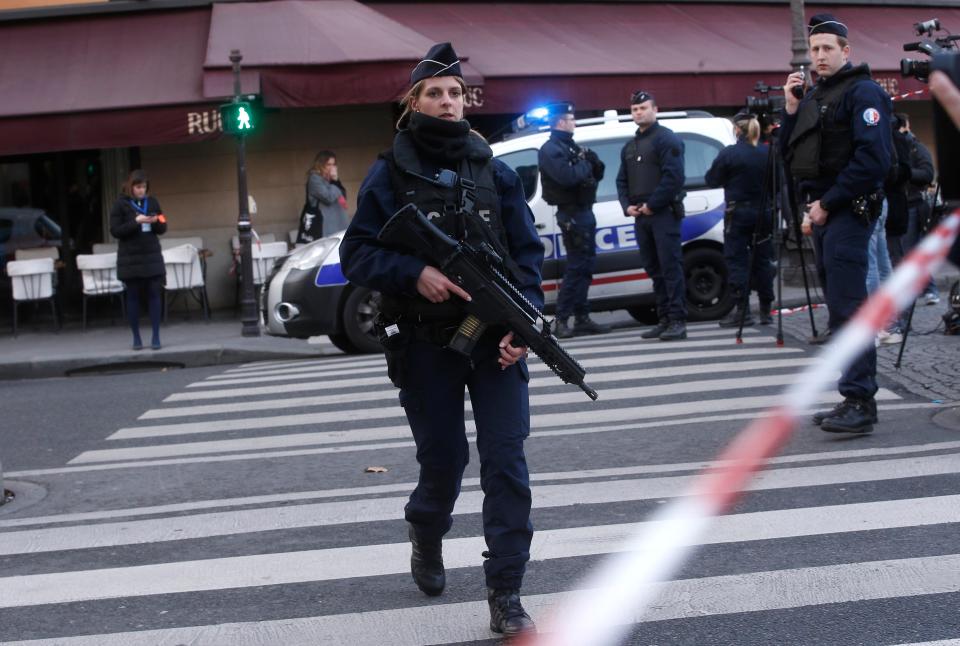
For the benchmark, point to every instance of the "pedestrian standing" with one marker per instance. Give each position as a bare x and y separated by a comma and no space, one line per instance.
136,221
741,169
439,164
838,143
569,176
650,188
325,209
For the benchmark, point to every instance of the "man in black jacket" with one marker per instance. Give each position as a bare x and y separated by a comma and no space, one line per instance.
569,175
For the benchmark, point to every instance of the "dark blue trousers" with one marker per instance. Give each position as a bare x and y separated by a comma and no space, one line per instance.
579,229
658,239
737,247
841,248
432,397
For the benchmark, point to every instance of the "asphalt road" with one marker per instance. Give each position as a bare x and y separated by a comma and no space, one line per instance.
233,506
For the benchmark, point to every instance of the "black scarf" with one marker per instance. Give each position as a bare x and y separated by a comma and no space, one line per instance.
440,139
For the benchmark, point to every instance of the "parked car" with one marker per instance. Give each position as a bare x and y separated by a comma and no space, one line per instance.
22,228
308,294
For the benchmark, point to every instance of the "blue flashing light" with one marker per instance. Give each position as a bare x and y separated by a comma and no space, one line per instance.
537,114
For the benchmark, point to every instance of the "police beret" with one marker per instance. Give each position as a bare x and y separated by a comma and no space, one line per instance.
441,60
825,23
641,96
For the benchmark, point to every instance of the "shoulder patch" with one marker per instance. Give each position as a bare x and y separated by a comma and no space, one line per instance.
871,116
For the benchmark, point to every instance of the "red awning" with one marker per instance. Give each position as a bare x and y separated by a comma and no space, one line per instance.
688,54
104,80
315,53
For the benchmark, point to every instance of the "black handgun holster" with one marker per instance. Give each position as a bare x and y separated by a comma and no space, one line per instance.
395,336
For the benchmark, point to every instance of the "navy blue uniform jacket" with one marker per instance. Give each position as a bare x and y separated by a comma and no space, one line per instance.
669,149
740,170
872,144
554,158
366,262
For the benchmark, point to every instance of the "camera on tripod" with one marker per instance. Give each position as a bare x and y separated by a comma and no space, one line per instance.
931,46
767,109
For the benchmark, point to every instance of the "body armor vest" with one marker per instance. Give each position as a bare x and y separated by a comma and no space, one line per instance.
469,210
643,167
820,145
555,193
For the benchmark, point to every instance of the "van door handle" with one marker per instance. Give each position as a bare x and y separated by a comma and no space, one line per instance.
540,225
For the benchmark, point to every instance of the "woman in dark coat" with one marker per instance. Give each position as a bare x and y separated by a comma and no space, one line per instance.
135,221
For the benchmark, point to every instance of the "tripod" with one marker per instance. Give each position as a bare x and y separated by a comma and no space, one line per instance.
771,228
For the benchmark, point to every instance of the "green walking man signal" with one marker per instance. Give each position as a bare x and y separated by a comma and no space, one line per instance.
237,118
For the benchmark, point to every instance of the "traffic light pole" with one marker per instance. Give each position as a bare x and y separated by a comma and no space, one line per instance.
248,306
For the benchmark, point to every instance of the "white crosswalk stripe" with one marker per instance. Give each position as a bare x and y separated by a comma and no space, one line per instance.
311,422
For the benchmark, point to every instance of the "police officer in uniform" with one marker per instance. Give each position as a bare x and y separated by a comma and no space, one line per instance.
741,170
837,142
650,188
438,163
569,176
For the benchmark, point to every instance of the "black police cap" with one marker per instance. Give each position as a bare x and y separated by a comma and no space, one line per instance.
562,107
441,60
641,96
825,23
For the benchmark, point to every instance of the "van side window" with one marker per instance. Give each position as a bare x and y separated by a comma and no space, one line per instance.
698,155
527,166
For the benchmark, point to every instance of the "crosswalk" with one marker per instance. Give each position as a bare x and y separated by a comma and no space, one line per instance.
240,511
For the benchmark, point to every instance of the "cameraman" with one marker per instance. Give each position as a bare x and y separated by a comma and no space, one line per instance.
569,175
741,170
948,95
837,143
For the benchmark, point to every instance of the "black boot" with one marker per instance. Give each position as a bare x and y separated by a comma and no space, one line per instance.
675,331
732,319
657,330
507,615
561,330
426,564
584,325
854,416
766,318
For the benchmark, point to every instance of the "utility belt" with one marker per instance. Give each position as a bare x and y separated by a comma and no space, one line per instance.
675,207
573,206
395,334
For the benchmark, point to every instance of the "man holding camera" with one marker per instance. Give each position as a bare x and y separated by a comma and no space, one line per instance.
569,175
837,143
650,188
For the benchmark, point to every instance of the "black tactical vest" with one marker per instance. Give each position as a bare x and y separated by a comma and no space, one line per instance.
820,145
554,193
643,167
468,210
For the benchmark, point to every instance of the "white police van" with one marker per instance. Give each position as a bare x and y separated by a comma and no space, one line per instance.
308,295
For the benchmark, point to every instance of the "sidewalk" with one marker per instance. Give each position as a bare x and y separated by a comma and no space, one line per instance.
38,351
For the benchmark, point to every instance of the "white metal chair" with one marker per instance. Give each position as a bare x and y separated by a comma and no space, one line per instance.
104,247
264,255
99,273
32,280
184,274
37,252
170,243
235,254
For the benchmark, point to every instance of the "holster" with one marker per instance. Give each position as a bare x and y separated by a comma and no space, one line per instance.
677,207
868,207
395,335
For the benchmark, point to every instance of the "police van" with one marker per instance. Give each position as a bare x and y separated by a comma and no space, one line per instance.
308,295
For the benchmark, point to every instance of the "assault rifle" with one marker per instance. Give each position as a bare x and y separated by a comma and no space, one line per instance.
495,300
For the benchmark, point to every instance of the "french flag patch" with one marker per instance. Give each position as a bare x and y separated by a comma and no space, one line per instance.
871,116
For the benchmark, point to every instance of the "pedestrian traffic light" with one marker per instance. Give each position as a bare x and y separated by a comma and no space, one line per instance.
237,118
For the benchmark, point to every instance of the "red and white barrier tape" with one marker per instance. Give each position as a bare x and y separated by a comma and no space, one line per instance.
617,593
907,95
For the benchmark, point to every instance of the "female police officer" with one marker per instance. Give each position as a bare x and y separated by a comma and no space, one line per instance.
447,170
741,170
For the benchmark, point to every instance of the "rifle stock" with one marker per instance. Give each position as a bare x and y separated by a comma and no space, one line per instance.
495,300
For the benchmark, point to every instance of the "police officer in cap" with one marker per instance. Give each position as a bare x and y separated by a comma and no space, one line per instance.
837,143
439,164
569,175
741,170
650,188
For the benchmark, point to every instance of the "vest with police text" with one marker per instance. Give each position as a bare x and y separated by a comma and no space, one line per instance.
820,145
643,166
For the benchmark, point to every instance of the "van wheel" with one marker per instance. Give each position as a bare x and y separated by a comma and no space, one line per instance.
708,292
343,343
359,310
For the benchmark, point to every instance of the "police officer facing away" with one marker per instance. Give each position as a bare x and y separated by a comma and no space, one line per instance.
741,171
650,188
439,164
569,175
837,142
